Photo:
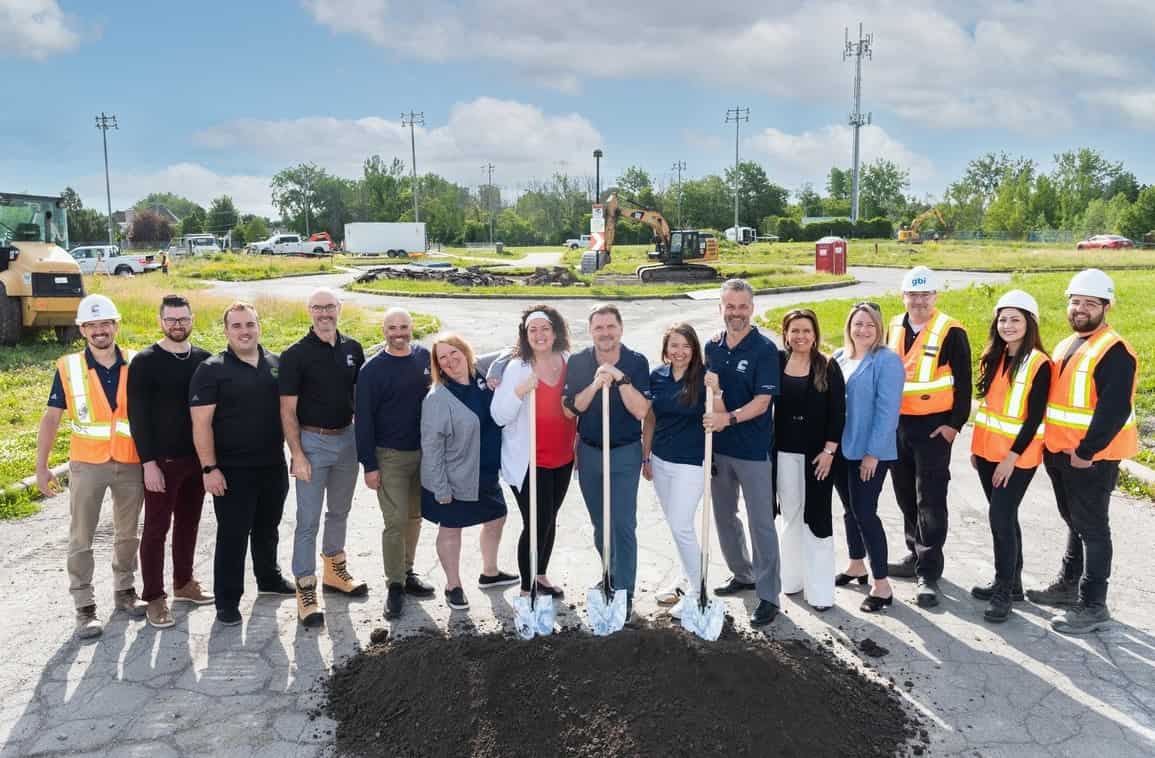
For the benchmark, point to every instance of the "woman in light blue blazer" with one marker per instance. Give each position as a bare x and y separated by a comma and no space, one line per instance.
874,379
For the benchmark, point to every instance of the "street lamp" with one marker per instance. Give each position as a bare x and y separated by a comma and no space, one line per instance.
597,176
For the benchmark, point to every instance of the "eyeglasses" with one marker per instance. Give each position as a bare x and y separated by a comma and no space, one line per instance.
868,304
326,308
183,321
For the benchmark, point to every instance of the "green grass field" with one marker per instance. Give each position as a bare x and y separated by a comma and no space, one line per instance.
233,267
26,370
1131,316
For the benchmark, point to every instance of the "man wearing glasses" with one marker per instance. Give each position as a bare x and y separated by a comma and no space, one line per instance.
318,374
936,402
174,492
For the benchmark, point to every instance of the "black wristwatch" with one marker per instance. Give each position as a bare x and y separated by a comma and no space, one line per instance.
624,380
209,469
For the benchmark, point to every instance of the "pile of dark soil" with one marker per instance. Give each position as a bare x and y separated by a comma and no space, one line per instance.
640,692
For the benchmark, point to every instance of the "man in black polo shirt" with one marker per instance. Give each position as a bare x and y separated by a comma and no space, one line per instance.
743,363
236,417
610,366
318,374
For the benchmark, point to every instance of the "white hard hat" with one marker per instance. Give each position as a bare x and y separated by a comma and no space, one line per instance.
96,308
920,279
1018,299
1093,282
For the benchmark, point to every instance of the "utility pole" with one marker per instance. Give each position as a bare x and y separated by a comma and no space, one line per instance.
411,119
308,186
489,167
598,175
104,122
679,166
857,50
736,115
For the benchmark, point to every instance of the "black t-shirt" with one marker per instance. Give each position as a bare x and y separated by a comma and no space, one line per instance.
158,385
624,427
322,377
790,413
247,419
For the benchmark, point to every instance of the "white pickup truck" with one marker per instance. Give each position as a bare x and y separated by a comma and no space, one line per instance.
290,244
109,260
576,243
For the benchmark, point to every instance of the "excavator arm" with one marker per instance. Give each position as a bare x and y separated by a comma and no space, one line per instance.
926,216
651,218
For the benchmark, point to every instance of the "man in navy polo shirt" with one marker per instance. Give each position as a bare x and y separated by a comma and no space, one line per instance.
743,363
625,374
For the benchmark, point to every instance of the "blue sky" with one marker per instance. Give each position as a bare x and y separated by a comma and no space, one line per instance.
215,97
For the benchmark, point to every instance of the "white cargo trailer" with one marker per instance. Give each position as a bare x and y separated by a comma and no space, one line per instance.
379,238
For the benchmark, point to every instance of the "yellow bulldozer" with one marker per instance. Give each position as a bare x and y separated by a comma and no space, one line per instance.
911,235
40,283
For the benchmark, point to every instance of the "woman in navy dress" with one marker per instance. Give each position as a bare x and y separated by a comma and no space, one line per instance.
460,459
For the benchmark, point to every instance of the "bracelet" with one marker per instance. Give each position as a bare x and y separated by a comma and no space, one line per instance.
645,461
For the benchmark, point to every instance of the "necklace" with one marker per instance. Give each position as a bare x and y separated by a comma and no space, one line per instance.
181,356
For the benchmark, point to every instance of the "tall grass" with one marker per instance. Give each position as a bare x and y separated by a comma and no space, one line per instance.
231,267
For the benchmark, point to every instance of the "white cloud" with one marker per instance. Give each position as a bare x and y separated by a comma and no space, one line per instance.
36,29
1023,65
1139,107
192,180
794,158
521,141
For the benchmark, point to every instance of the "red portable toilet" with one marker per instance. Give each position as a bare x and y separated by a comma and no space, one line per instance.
830,255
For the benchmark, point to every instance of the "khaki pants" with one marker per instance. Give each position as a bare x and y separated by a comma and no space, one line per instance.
399,496
87,483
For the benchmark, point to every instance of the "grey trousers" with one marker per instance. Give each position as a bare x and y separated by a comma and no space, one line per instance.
87,483
333,460
758,491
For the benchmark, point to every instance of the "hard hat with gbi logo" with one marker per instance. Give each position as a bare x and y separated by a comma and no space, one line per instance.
96,308
920,279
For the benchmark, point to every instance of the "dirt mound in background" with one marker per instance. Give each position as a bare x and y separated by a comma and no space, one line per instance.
640,692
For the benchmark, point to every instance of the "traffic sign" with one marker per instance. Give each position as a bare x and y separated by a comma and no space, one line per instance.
597,241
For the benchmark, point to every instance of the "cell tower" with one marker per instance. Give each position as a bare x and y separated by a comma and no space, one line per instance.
857,50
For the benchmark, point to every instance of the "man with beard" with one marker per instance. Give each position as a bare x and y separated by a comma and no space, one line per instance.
936,403
609,366
92,388
390,389
236,417
162,428
318,374
743,363
1090,427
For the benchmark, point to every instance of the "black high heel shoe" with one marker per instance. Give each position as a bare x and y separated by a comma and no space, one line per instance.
841,580
874,603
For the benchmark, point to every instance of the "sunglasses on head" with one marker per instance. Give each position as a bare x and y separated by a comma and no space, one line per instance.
868,304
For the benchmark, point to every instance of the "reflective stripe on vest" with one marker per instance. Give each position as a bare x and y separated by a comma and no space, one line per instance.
996,430
75,376
929,387
1073,398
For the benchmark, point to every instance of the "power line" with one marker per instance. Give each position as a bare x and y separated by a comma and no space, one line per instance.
679,166
104,122
857,50
736,115
411,119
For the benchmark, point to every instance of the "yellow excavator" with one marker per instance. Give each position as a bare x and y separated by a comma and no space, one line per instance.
910,235
677,254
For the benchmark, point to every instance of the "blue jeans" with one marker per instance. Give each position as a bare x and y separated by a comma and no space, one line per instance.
864,533
333,459
625,470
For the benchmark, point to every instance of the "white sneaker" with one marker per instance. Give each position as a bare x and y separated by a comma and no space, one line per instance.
686,601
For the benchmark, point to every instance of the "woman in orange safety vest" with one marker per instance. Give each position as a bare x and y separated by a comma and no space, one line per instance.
1007,446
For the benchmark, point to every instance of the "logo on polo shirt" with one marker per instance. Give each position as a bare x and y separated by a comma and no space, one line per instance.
273,371
349,360
742,365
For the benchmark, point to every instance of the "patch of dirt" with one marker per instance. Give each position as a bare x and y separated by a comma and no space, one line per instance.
640,692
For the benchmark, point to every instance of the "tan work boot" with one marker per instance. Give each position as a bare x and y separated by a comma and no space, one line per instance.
192,593
127,601
87,625
307,609
338,578
158,615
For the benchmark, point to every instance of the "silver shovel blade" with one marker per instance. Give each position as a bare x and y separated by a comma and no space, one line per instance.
606,618
706,623
523,618
544,616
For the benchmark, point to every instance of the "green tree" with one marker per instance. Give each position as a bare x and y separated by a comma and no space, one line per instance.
222,215
238,235
809,200
758,197
194,222
149,226
296,192
256,229
71,200
87,225
1010,212
838,183
180,206
1080,176
881,187
636,184
1139,218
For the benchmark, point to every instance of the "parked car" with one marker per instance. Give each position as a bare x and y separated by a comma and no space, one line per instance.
1100,241
107,259
291,244
573,243
193,244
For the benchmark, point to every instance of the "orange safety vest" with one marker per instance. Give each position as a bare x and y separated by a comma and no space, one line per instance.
929,387
1000,417
99,434
1074,397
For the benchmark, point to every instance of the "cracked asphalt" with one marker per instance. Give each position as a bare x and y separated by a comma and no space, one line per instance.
1017,689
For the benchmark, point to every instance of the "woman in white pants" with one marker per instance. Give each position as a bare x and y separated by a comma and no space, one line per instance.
808,420
674,444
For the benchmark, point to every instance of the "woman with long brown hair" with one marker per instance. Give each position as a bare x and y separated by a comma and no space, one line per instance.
674,445
808,420
1007,445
